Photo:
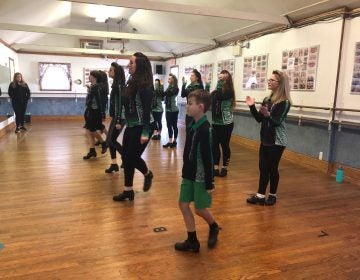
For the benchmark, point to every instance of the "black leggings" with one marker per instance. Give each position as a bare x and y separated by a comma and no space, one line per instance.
268,164
157,117
131,153
221,136
171,121
111,139
19,115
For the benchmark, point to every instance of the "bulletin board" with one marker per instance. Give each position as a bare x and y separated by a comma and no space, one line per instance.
355,81
206,71
228,65
255,71
301,67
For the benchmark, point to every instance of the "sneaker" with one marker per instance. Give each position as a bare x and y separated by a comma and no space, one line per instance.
167,145
148,181
188,246
213,234
271,200
223,172
124,196
255,200
113,168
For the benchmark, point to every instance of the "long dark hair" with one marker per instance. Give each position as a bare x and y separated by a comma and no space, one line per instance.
198,76
119,78
142,78
175,80
229,85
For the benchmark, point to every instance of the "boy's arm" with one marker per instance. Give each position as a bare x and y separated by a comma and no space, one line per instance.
207,158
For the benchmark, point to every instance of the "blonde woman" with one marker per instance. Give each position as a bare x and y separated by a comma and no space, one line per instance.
272,116
19,93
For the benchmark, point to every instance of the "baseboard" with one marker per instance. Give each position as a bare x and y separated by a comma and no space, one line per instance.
56,118
350,174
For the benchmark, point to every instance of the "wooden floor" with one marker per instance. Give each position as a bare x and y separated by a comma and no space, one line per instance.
58,220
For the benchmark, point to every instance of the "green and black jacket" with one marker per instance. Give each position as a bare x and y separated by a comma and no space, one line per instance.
158,98
185,90
94,99
170,99
221,105
273,131
138,109
115,109
198,159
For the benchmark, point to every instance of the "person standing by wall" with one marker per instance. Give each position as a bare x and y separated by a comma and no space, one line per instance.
272,116
223,102
19,93
116,72
172,111
137,104
157,108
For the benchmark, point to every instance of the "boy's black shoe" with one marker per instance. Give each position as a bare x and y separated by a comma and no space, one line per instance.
148,181
255,200
90,154
188,246
167,145
216,172
113,168
213,234
103,147
271,200
124,195
223,172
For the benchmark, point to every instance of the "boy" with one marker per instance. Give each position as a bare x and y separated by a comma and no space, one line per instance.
197,172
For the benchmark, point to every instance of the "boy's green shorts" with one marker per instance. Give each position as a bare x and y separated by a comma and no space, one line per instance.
195,191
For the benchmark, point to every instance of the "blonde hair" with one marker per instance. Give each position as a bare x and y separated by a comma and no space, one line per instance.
283,91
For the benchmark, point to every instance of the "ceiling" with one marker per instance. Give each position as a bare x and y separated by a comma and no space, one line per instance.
160,29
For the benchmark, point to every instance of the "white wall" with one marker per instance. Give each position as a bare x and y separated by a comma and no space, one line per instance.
327,35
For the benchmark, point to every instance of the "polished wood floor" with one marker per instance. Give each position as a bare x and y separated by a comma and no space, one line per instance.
58,220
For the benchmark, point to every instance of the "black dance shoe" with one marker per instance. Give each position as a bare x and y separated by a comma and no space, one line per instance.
255,200
113,168
188,246
213,234
148,181
271,200
103,147
124,196
91,153
167,145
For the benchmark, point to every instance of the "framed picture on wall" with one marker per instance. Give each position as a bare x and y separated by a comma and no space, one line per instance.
301,67
55,76
355,81
12,68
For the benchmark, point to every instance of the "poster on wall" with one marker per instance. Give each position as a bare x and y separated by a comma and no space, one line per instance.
301,67
355,82
255,71
228,65
206,71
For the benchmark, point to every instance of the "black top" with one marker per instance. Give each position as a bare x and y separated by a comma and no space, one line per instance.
19,95
198,160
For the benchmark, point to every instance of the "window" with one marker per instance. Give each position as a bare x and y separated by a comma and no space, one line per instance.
54,76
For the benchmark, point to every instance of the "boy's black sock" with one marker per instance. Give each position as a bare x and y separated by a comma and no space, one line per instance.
192,236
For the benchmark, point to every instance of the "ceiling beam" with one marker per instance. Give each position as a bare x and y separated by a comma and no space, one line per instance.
104,34
187,9
55,49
